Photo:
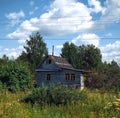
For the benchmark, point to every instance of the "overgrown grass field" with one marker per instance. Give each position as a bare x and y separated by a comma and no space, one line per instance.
99,104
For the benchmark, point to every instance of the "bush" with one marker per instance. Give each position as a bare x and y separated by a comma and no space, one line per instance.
16,76
1,85
56,94
98,80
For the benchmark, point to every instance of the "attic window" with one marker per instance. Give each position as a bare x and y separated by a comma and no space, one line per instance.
48,61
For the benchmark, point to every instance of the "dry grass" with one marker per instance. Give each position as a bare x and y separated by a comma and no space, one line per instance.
98,105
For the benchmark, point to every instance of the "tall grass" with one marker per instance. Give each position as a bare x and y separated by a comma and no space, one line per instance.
98,105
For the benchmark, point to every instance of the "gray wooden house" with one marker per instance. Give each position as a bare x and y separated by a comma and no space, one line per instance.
54,69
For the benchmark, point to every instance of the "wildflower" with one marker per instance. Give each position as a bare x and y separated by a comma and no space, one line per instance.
18,100
106,108
117,109
109,104
116,103
117,99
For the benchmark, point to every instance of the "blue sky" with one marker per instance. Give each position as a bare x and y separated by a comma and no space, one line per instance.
78,21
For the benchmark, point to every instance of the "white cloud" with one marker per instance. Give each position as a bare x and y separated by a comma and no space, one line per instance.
15,17
22,41
59,46
86,39
62,18
96,6
111,52
24,30
110,15
66,17
110,47
11,52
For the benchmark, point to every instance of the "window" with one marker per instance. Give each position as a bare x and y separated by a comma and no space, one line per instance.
72,76
48,61
48,76
67,76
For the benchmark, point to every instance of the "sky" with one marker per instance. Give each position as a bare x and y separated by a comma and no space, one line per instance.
80,22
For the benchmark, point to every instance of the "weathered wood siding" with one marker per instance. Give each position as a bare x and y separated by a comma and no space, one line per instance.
57,75
41,78
51,66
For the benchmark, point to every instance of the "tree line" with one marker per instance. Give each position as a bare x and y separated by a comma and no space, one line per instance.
19,74
103,75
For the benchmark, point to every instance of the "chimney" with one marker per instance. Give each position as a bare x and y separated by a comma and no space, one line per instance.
53,50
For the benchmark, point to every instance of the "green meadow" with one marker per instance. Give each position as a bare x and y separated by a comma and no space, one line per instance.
98,104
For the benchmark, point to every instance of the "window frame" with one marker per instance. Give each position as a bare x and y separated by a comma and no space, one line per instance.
48,76
73,76
70,76
67,76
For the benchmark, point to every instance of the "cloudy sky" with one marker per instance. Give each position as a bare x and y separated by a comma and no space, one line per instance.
78,21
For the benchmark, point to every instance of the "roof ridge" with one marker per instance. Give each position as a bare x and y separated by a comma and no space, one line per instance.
61,62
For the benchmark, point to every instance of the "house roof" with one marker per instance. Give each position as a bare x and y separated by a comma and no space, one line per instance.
61,62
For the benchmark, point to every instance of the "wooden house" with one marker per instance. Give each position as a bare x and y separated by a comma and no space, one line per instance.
54,69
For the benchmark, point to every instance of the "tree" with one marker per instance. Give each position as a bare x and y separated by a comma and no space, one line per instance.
82,57
34,50
114,64
4,59
107,77
69,51
90,56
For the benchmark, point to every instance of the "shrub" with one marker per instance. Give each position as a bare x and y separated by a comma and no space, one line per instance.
1,85
56,94
16,76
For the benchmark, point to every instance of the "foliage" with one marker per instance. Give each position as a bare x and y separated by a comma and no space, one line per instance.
90,56
69,51
104,75
114,105
56,94
4,59
97,80
96,106
1,85
82,57
107,77
16,76
34,50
